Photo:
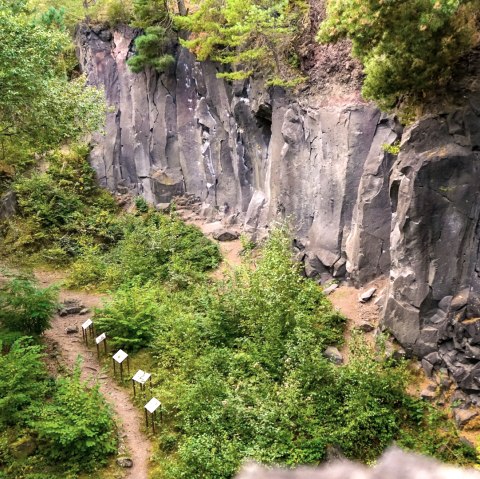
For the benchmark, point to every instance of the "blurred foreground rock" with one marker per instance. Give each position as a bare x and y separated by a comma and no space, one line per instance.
394,464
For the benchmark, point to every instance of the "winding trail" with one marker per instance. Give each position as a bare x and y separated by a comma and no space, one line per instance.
133,441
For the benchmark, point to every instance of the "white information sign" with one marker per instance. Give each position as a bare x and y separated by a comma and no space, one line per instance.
100,338
138,376
87,324
152,405
120,356
144,378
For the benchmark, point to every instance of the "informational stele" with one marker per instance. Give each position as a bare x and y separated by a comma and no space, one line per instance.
144,378
120,356
138,376
152,405
87,324
100,338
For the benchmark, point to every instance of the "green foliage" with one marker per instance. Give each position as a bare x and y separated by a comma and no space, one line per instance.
241,373
141,205
130,318
393,149
153,247
68,422
23,381
25,307
61,211
77,427
406,50
151,12
151,51
252,36
39,108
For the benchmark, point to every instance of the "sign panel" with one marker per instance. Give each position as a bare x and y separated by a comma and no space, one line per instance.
138,376
144,378
100,338
87,324
120,356
152,405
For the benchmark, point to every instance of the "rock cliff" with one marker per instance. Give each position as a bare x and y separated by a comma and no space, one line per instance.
252,156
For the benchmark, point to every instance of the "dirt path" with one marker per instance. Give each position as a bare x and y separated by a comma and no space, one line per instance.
133,442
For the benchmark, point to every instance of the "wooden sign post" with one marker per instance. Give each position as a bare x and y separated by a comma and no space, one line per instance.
119,357
98,340
87,328
151,407
141,377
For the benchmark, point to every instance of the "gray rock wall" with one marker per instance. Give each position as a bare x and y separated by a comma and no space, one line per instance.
253,156
249,154
433,306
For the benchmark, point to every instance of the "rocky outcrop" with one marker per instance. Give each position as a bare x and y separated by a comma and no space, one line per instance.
249,154
8,205
252,156
433,307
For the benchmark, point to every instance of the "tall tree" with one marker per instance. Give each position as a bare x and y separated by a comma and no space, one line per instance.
39,107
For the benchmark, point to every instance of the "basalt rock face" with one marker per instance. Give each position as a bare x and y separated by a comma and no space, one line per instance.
254,155
433,306
250,154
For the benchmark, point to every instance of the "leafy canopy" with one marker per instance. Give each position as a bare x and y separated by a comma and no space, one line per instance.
39,107
252,36
406,48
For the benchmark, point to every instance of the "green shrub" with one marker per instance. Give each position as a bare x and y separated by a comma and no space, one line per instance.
152,50
249,35
77,427
153,247
408,49
61,211
130,317
26,307
23,382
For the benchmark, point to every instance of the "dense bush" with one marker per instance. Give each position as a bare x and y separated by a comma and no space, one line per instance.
77,427
152,50
41,106
23,382
66,422
25,307
406,49
130,317
242,374
62,211
153,247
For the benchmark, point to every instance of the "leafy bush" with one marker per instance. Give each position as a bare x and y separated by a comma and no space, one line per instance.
68,422
152,50
153,247
23,382
77,427
130,317
242,374
406,49
26,307
61,211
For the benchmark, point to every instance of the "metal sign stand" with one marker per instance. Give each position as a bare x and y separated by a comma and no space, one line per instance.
119,357
151,407
98,340
87,329
141,377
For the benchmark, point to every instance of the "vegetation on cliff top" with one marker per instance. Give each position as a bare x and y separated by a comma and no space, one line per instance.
407,49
